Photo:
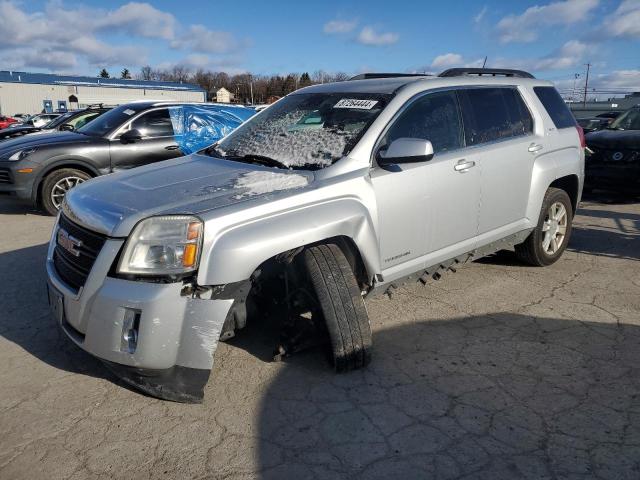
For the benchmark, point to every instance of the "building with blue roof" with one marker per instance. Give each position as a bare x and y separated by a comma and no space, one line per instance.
23,92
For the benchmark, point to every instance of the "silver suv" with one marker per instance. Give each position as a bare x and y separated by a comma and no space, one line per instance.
335,192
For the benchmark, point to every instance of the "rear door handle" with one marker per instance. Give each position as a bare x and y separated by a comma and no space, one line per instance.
464,165
172,147
535,147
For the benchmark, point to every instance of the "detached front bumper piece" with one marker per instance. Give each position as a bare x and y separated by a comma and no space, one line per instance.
178,384
149,334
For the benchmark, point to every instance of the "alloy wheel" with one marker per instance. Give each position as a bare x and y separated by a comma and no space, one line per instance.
554,228
61,187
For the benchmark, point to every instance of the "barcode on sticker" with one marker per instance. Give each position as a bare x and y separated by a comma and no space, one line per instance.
355,103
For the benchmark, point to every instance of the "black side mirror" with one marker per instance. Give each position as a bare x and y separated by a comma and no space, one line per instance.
406,150
67,128
131,136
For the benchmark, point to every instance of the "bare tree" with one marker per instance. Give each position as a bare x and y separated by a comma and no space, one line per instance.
180,73
146,73
340,77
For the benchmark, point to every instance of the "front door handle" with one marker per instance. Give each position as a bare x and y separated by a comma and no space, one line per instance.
535,147
172,147
464,165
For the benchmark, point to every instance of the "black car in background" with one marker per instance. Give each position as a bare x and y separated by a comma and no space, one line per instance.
42,168
593,124
612,160
66,122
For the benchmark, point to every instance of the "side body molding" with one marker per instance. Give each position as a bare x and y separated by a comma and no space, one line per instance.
237,251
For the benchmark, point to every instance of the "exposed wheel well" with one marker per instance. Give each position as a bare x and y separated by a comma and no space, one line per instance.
346,244
60,166
272,280
570,185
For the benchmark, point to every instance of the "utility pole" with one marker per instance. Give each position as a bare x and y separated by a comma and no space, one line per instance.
586,84
485,61
573,90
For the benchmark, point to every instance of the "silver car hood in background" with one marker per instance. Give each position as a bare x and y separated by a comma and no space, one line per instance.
114,204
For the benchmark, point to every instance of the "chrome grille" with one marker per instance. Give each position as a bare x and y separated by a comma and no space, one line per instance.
74,266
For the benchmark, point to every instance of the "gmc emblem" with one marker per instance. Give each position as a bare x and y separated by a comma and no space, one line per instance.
68,242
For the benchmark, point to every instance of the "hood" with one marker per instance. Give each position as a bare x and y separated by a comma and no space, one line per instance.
113,204
614,139
28,141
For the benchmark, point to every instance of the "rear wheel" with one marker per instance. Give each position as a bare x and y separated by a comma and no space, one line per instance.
549,239
341,305
57,184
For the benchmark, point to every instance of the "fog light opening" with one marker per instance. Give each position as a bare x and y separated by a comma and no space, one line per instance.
130,326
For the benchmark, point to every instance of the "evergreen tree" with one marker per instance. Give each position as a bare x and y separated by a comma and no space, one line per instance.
305,80
125,74
289,84
103,73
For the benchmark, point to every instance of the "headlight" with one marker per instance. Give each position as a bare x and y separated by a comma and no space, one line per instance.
166,245
20,154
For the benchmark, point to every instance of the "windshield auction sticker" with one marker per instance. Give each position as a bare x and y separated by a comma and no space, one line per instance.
355,103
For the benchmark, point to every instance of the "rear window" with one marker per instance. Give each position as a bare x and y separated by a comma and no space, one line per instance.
492,114
555,107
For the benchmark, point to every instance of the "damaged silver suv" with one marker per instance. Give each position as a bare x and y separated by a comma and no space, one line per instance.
335,192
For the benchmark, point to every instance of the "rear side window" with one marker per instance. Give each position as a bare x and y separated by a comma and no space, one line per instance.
434,117
492,114
555,107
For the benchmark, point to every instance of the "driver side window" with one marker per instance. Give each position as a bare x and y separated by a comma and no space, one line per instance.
156,123
434,117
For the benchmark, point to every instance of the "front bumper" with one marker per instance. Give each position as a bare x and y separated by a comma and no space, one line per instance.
176,335
15,183
613,177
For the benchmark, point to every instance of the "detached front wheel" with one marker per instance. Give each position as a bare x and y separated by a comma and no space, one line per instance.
57,184
341,305
549,239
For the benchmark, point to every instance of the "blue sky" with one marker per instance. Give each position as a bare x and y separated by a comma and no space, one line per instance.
552,39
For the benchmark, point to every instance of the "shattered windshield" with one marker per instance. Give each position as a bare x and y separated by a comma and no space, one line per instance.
303,131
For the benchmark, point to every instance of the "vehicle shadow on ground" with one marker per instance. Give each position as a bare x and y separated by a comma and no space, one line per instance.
619,240
25,318
11,206
500,396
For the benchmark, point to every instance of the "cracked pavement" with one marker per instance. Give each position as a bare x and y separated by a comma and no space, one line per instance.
499,371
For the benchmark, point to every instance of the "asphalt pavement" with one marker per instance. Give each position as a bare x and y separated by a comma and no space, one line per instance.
499,371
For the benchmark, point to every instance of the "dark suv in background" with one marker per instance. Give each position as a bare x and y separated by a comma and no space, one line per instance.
42,168
612,159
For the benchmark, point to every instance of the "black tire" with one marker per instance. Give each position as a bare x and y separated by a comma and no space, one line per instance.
531,250
342,307
50,182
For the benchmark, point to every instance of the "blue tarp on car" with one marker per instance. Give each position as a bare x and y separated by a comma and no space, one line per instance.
198,126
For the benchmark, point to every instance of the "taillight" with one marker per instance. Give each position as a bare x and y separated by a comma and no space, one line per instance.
583,142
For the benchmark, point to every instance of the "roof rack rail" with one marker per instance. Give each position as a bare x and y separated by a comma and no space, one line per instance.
367,76
506,72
